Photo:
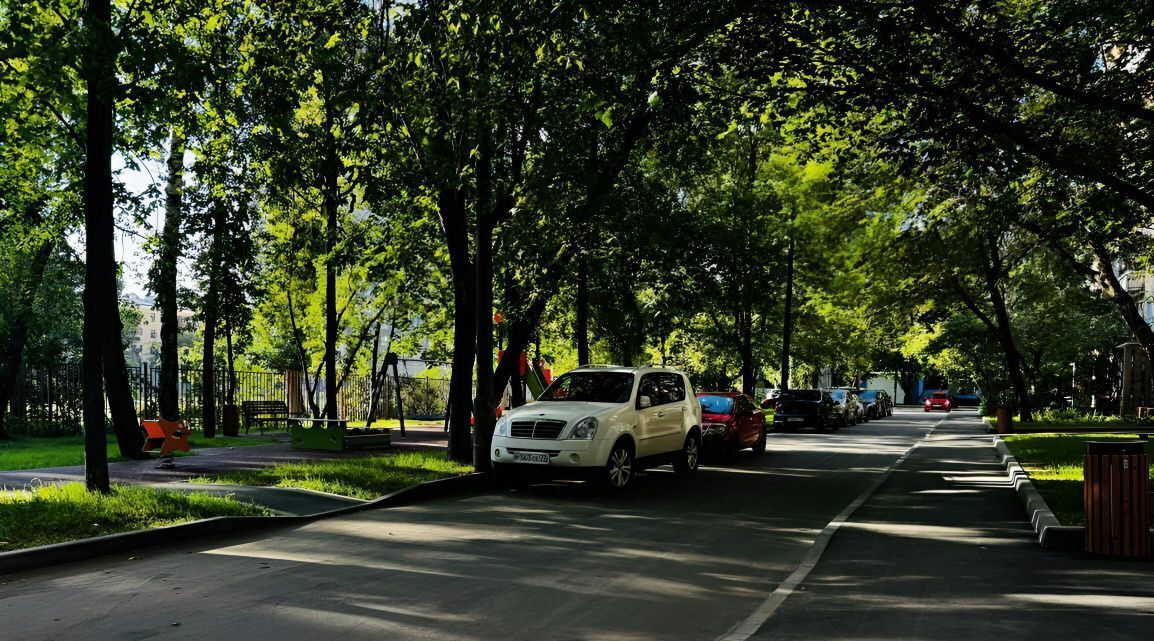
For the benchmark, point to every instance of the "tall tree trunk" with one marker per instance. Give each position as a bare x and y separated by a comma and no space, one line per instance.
787,321
451,208
99,264
1005,333
330,206
230,362
164,278
118,387
1104,276
211,318
748,374
18,331
582,328
521,329
484,402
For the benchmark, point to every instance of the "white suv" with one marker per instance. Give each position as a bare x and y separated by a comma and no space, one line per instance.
602,423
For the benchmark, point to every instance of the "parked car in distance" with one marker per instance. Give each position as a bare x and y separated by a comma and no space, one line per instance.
771,399
730,422
806,408
967,399
852,410
878,403
602,423
938,401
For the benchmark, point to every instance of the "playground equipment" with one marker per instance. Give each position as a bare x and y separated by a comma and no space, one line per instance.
538,377
536,373
167,437
335,435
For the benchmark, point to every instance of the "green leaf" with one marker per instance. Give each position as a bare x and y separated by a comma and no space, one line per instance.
606,117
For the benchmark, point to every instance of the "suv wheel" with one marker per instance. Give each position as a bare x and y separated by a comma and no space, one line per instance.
619,468
690,456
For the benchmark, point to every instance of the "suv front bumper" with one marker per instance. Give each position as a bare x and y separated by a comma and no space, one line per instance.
562,453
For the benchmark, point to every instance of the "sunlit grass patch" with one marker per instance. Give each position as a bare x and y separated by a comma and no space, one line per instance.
362,478
57,513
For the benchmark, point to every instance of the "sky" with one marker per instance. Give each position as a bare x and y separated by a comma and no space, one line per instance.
129,245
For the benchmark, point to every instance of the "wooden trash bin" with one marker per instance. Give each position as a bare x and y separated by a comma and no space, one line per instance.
1116,495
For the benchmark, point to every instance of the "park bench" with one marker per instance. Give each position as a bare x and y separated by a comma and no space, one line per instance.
261,412
165,436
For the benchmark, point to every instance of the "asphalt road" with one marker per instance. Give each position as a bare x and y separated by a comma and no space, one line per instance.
672,559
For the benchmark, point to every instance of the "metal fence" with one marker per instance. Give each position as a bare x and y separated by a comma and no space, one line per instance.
48,400
250,386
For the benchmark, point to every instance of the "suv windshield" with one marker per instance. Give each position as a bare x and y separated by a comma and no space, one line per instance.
716,404
869,395
837,394
591,387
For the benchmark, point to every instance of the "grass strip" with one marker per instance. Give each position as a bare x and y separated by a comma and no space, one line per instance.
58,513
363,478
1054,463
26,453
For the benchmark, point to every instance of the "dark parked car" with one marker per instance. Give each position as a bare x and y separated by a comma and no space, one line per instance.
878,403
852,410
967,399
730,422
806,408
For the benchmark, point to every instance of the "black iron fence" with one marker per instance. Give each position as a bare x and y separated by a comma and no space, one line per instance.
48,400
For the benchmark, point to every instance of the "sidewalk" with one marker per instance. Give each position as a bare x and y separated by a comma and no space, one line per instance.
943,550
214,460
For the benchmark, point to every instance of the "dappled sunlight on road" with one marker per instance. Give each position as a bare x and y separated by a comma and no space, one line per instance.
673,558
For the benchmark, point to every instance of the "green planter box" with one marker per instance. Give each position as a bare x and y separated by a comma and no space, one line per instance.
336,436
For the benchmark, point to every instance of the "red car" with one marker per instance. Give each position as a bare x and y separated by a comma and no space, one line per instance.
730,422
938,401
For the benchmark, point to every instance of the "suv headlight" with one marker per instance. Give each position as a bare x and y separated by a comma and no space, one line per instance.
713,429
584,429
502,427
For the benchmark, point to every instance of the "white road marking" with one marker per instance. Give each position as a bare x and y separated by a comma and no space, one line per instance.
769,607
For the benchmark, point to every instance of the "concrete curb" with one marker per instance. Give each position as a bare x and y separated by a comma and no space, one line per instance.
45,555
1052,535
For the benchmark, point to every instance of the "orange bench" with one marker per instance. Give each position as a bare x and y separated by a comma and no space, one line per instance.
167,436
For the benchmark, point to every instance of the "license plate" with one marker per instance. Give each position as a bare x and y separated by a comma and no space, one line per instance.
798,419
537,458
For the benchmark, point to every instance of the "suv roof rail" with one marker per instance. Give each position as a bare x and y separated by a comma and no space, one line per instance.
597,365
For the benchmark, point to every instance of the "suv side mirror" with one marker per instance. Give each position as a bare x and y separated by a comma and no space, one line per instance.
644,402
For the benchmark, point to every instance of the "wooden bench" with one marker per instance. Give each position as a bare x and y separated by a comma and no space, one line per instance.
261,412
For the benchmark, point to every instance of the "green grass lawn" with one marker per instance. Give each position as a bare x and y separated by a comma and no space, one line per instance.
61,451
362,478
1054,462
57,513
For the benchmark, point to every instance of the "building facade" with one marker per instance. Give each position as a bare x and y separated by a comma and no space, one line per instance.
143,346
